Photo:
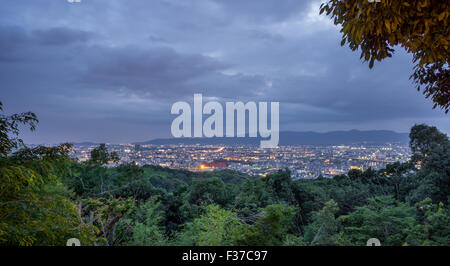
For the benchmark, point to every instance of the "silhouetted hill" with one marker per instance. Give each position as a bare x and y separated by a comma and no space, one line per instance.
300,138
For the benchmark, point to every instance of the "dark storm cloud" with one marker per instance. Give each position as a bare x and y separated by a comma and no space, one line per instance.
156,39
154,70
266,36
61,36
110,70
12,38
16,42
162,72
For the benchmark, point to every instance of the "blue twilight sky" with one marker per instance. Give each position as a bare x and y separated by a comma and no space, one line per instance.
110,70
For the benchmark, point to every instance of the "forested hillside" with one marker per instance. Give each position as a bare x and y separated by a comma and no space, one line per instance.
46,198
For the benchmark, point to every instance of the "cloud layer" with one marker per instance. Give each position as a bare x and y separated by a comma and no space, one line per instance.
110,70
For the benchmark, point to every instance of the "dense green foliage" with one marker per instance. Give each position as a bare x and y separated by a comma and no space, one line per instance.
47,198
35,205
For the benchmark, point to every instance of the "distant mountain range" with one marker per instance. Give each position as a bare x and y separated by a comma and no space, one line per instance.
299,138
86,143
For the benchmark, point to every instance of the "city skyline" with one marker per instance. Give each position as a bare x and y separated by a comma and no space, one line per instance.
304,161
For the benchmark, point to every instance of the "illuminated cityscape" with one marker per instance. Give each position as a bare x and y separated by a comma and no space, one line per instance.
304,161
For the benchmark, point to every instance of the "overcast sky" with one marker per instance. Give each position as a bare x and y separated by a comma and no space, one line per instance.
109,71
